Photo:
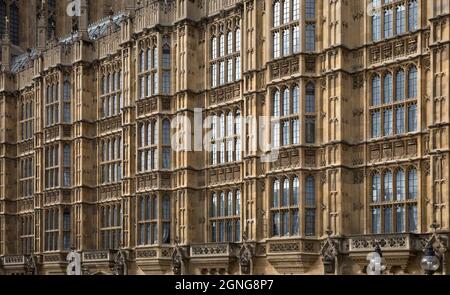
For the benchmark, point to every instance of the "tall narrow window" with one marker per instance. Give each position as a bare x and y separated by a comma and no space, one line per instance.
276,193
51,229
66,98
276,14
310,207
238,40
400,85
376,27
413,16
412,118
388,22
295,9
66,230
400,218
286,99
412,82
376,90
387,88
166,66
310,35
376,122
295,100
286,11
166,220
222,73
400,185
295,191
388,220
412,218
286,42
296,131
296,39
388,130
412,184
400,120
310,9
229,42
376,187
276,104
221,45
276,45
376,220
310,98
400,20
388,187
214,48
237,67
285,199
214,75
310,195
310,130
166,54
67,160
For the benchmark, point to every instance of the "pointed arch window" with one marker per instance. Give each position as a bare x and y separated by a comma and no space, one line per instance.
238,40
285,198
276,45
229,42
221,45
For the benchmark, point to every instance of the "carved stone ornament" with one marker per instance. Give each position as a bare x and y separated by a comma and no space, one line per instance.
30,265
120,264
177,261
329,253
246,255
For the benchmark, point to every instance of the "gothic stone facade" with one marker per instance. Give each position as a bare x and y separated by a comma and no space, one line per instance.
361,105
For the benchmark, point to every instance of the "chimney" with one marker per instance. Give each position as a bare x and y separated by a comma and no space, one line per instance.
130,6
6,47
42,27
84,19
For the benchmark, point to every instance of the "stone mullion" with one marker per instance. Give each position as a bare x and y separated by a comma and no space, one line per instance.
38,165
249,30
